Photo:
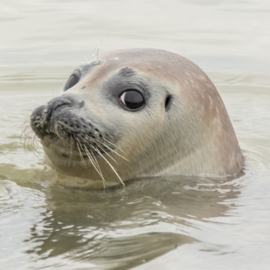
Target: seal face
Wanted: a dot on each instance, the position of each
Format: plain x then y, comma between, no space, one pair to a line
135,113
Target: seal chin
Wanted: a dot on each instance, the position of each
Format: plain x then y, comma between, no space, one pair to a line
56,148
70,161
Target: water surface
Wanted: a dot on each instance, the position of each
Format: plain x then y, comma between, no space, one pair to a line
156,223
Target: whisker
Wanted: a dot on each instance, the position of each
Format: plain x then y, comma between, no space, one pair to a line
97,51
92,161
33,145
87,60
94,158
35,142
114,145
110,150
113,151
28,138
80,153
98,145
109,165
70,153
23,138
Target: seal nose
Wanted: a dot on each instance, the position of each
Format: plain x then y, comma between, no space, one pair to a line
57,104
41,118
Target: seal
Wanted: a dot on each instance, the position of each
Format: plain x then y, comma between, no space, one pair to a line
134,113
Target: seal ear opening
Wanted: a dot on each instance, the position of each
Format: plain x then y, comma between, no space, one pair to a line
168,103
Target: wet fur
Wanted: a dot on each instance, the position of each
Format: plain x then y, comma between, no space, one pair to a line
193,137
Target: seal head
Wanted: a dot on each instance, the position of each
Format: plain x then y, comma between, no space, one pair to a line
134,113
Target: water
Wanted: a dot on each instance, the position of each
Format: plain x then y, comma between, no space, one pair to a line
160,223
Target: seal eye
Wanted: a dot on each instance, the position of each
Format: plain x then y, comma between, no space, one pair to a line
131,99
73,79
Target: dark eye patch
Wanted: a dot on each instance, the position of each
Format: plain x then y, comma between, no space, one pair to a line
73,79
168,103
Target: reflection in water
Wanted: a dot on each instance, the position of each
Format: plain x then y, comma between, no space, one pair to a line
124,227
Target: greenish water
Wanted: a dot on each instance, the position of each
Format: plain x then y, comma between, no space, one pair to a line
157,223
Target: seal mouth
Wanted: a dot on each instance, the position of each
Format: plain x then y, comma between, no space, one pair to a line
75,147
